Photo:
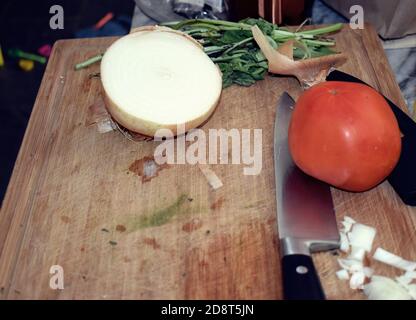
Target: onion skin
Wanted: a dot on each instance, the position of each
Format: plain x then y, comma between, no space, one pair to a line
344,134
147,127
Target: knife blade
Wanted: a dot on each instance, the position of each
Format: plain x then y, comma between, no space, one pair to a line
403,177
305,215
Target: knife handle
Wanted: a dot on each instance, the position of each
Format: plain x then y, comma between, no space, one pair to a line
300,279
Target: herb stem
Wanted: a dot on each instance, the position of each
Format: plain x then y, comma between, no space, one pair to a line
328,29
282,33
228,58
224,24
88,62
319,43
215,49
205,26
238,44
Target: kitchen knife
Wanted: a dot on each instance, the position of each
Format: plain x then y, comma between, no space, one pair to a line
403,177
305,215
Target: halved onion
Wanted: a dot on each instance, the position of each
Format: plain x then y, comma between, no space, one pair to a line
156,77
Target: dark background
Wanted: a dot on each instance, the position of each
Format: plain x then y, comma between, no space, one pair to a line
25,25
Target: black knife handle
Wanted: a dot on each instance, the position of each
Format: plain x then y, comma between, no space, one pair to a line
300,280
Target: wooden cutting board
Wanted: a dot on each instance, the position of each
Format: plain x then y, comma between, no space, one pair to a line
72,200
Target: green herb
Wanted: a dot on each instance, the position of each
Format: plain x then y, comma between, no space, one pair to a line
113,243
164,215
88,62
232,47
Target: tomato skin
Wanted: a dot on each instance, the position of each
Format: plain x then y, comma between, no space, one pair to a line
344,134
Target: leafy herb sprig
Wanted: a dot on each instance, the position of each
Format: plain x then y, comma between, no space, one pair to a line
232,47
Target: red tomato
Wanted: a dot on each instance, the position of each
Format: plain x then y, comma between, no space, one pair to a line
344,134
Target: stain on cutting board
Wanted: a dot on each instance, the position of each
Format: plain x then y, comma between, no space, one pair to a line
152,243
161,215
147,168
192,225
96,113
65,219
216,205
120,228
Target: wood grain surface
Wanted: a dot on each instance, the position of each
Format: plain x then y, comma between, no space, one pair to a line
75,199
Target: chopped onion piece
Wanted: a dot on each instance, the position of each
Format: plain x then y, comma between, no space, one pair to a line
410,274
406,278
357,280
368,272
213,180
350,265
349,220
404,281
411,288
347,224
356,267
346,227
342,274
391,259
357,253
362,236
382,288
344,243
